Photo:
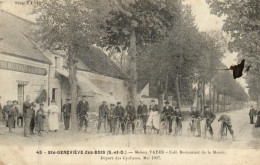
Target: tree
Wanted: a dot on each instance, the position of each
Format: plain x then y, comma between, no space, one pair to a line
242,22
134,24
70,26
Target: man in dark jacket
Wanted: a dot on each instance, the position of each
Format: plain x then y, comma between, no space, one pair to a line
210,117
178,120
102,115
142,112
82,111
252,114
66,110
168,114
32,125
131,115
27,114
120,111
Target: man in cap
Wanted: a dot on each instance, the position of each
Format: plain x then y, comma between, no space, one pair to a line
167,112
178,120
120,112
131,115
210,117
66,110
142,112
102,115
82,111
252,113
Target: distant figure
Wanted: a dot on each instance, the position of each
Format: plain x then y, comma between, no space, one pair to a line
1,110
82,112
53,111
257,123
252,113
66,110
39,119
110,117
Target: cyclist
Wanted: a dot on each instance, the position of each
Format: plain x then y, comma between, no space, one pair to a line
168,113
142,112
178,120
131,115
210,117
226,122
196,118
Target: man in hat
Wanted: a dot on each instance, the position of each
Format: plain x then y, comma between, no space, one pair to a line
120,112
210,117
40,119
66,110
142,112
167,112
154,117
82,112
252,113
102,115
131,115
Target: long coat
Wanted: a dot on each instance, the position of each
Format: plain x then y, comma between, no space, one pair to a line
66,109
53,121
82,108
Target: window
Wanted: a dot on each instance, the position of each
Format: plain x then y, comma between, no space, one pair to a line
57,62
53,96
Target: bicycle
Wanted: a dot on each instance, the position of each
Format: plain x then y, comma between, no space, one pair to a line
164,124
206,128
92,123
192,127
178,126
138,124
222,136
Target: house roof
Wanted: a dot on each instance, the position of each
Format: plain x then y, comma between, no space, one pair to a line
14,41
97,61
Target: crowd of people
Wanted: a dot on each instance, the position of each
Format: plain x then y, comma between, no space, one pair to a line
112,117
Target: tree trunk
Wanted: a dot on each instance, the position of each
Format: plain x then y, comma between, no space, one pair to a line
133,72
74,97
217,102
224,102
203,97
210,96
177,91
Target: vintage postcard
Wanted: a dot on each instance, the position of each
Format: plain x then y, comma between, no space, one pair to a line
129,82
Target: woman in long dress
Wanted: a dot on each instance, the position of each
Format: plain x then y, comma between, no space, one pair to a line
52,112
154,117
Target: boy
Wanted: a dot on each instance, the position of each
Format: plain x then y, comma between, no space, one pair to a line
40,119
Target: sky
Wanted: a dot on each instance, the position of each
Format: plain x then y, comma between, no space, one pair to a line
204,20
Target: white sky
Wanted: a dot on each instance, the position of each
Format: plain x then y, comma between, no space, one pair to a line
205,21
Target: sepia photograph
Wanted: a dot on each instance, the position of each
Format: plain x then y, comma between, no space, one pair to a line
142,82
